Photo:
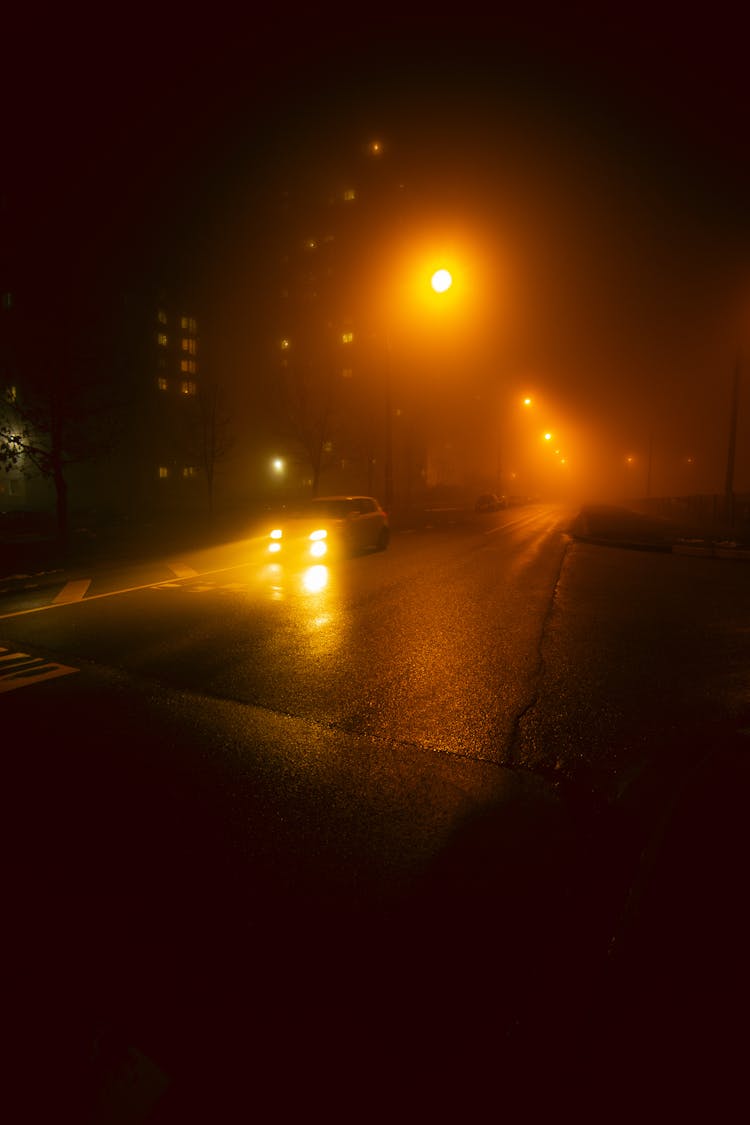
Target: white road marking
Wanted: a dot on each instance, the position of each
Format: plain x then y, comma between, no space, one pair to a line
72,591
108,594
18,670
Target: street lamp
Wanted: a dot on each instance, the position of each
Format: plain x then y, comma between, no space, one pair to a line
441,281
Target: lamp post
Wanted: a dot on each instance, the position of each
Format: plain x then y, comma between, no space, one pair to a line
729,478
388,473
440,282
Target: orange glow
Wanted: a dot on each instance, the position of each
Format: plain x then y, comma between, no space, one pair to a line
404,294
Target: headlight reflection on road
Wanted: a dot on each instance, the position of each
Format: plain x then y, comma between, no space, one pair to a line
273,572
315,578
282,582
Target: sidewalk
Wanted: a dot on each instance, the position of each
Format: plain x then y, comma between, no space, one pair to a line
621,527
37,560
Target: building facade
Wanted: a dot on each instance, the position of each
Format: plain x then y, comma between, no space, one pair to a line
109,392
365,398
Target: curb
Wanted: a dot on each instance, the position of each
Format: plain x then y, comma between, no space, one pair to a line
627,544
709,551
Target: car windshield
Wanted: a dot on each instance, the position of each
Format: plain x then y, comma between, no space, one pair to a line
329,509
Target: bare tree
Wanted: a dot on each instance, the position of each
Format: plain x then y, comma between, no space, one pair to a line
56,409
212,439
304,407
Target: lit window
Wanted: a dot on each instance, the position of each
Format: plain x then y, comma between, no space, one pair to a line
349,194
328,446
347,337
188,365
161,339
161,316
163,472
347,373
162,383
183,323
189,387
189,471
189,346
285,345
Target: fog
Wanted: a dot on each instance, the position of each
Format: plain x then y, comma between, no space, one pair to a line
590,184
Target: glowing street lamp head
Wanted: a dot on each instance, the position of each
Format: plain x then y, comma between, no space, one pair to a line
441,281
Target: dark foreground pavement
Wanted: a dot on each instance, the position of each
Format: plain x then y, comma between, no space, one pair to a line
537,963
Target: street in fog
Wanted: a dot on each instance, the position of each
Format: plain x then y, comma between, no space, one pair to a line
460,818
496,638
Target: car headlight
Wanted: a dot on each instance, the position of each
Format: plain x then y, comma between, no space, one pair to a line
318,546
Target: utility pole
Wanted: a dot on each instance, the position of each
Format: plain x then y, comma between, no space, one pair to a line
729,483
388,477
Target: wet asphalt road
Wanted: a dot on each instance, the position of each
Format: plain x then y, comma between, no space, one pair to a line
290,846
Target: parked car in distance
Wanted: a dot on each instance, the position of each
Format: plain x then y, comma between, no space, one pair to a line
489,502
329,526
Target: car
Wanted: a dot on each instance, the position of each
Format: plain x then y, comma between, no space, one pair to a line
330,526
489,502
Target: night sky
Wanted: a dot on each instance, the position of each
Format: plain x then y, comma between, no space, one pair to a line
599,159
